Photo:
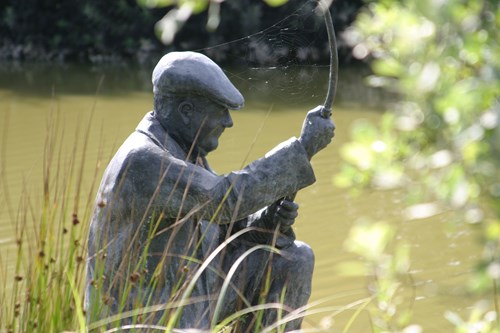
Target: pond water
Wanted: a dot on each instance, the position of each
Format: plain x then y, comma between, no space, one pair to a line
33,100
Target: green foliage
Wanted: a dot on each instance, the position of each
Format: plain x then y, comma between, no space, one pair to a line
441,141
481,319
386,264
372,151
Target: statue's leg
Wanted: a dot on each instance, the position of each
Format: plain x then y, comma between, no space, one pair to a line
291,278
263,277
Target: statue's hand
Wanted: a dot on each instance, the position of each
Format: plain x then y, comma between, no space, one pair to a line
274,224
285,214
317,132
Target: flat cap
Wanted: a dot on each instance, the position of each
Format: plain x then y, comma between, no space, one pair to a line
195,73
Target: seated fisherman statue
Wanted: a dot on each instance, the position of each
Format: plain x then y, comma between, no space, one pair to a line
172,243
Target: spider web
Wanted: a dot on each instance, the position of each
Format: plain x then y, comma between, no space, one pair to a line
286,61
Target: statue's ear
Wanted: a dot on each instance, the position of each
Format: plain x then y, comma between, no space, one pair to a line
186,110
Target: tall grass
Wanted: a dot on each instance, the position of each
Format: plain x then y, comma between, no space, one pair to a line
42,294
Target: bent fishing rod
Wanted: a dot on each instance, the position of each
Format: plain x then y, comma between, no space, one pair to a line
324,10
326,110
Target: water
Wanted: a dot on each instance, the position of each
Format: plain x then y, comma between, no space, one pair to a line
442,256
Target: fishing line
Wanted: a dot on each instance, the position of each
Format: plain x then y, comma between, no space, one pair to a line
287,61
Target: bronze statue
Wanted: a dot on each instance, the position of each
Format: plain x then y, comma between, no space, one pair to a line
168,232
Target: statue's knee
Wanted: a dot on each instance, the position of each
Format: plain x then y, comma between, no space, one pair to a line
303,256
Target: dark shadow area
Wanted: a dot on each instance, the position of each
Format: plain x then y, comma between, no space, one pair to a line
121,31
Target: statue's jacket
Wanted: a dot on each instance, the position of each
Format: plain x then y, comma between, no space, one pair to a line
160,215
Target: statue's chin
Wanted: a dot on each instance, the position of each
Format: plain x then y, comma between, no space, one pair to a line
208,147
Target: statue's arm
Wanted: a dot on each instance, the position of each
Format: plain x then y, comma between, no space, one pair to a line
184,188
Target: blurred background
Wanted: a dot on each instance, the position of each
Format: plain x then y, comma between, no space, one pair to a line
405,216
127,30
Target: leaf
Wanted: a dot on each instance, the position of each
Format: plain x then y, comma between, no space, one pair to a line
358,154
197,6
275,3
342,180
453,318
493,230
369,240
387,67
156,3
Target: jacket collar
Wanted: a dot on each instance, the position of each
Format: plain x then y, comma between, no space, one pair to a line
151,127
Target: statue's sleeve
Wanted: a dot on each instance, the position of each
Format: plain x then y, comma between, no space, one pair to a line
186,189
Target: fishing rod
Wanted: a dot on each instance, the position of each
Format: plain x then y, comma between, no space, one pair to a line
326,109
324,10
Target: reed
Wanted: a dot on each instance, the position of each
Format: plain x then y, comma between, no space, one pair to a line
43,291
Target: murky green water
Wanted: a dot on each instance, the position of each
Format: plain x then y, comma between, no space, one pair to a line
442,257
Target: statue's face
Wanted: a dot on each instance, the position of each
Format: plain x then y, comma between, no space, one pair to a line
208,121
